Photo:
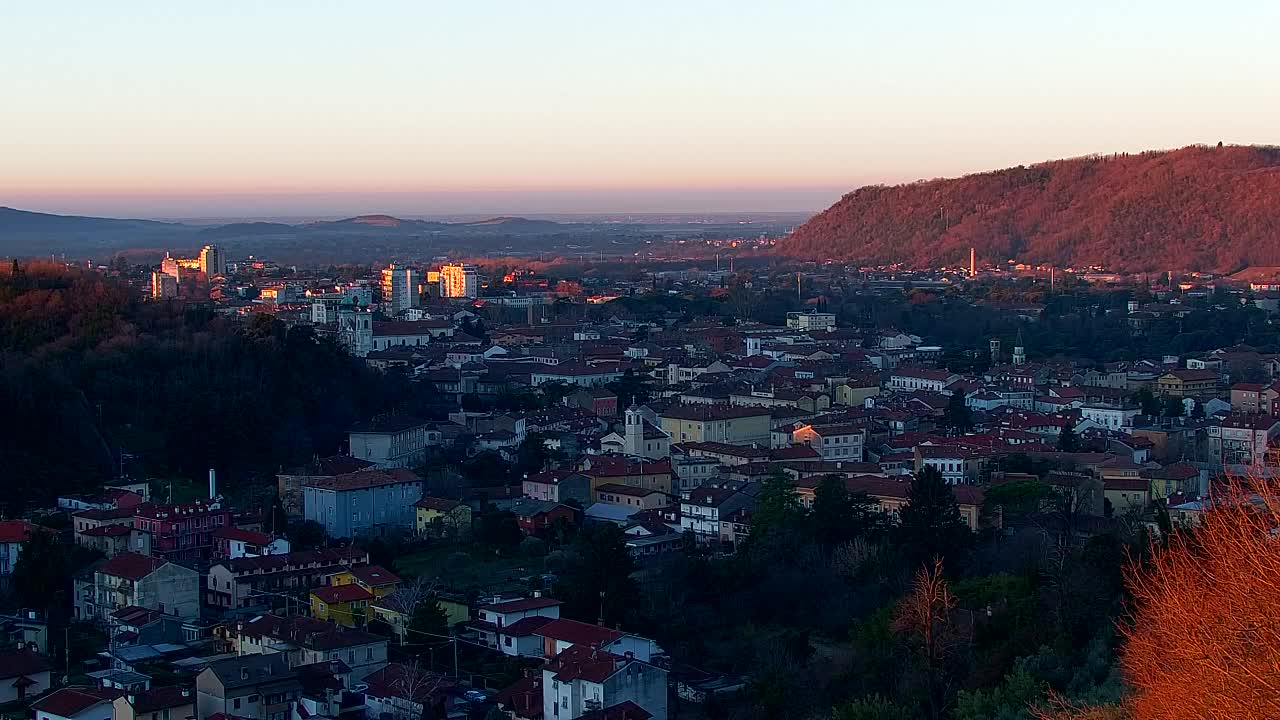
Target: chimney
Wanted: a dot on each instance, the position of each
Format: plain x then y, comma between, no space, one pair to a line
186,692
133,700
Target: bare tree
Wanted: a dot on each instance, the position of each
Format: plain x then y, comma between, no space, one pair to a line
928,613
412,687
1205,636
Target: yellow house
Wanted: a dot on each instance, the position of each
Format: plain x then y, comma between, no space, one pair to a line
731,424
377,580
443,518
346,605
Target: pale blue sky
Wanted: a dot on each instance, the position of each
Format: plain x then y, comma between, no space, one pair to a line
161,108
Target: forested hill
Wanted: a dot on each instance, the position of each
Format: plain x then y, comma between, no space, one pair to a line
1198,208
88,372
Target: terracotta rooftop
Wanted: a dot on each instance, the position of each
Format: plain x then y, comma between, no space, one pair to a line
363,479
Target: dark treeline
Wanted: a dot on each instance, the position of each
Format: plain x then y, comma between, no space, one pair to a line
88,371
827,614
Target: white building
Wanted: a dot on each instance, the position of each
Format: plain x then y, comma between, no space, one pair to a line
459,280
1111,418
814,321
834,442
390,441
907,379
584,680
401,287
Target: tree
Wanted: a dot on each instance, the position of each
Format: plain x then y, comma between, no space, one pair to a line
500,531
1068,441
871,707
930,524
957,416
1205,637
832,516
926,614
1147,400
277,520
429,622
1173,406
307,535
777,506
598,585
41,576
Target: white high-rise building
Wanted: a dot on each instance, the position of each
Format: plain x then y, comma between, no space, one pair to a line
212,261
401,287
458,280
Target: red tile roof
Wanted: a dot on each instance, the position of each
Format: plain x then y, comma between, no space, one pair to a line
130,566
69,702
580,633
16,531
160,698
107,531
582,662
252,537
374,575
525,627
435,503
363,479
335,594
523,698
16,662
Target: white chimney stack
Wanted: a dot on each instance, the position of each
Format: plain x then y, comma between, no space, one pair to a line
213,484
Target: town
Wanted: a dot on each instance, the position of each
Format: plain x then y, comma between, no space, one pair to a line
508,546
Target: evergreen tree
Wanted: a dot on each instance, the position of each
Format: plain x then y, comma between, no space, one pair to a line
277,520
1173,406
599,580
428,621
930,523
41,574
957,416
1147,400
777,505
832,516
1068,441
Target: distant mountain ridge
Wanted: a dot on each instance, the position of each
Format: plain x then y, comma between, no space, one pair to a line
1198,208
23,232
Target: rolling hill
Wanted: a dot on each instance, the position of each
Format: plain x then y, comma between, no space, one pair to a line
1197,208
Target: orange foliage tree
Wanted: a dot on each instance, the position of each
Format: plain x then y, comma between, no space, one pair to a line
1205,635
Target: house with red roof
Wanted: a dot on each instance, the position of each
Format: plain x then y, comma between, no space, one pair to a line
523,700
364,502
23,674
510,626
13,533
133,580
583,681
76,704
563,633
231,543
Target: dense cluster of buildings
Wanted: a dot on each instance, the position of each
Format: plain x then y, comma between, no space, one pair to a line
667,427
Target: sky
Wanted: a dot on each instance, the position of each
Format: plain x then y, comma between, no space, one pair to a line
162,109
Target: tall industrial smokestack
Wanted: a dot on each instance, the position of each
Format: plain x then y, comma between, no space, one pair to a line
973,265
213,484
